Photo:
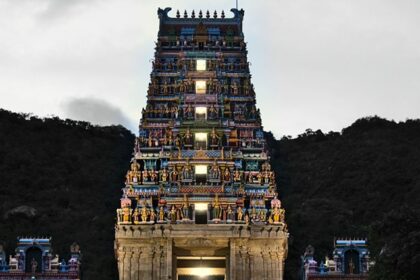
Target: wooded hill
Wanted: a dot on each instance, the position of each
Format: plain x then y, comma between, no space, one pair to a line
63,178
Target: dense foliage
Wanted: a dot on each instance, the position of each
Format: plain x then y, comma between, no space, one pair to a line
62,178
349,184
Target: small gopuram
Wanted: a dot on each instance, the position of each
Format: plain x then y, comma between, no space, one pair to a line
200,200
34,259
350,260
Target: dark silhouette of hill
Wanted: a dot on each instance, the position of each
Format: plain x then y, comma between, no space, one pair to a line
62,178
349,184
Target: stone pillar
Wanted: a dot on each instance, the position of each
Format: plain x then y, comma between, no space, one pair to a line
127,264
272,274
266,264
252,268
135,257
244,267
156,261
169,259
120,259
231,264
146,263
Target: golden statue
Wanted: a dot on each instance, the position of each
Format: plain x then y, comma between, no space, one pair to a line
127,214
161,214
240,213
136,216
237,176
144,214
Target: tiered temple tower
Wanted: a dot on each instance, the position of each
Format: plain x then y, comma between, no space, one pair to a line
200,196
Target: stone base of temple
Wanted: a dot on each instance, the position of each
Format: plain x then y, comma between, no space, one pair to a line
185,251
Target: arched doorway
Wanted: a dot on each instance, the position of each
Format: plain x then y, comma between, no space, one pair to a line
351,262
33,260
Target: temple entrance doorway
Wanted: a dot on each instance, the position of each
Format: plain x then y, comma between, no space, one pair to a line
351,262
33,260
198,268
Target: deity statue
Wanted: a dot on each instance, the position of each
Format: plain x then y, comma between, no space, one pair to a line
127,214
135,166
214,138
262,215
235,88
152,175
226,175
161,214
34,265
216,209
278,215
144,214
150,140
188,112
173,214
213,112
164,175
185,209
266,166
174,175
215,171
240,213
165,88
266,177
188,137
186,172
254,214
259,177
145,175
351,266
136,216
230,214
182,87
152,215
237,176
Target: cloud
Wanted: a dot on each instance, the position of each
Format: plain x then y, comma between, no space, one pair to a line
96,111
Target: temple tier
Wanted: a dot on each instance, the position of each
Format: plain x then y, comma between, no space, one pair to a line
200,188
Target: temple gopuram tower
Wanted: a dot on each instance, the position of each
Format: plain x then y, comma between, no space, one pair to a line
200,200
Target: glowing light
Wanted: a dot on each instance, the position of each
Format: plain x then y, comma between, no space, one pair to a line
200,87
200,169
200,206
200,110
201,65
201,136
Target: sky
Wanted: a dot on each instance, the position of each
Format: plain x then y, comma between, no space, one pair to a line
318,64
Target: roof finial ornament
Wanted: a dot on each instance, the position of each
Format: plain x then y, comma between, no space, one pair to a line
177,14
215,14
200,14
207,14
193,14
185,14
223,14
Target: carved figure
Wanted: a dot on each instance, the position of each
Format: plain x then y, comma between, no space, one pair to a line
161,214
34,265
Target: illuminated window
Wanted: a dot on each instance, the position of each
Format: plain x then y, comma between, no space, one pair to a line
201,206
201,169
201,140
200,87
200,174
201,65
200,113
